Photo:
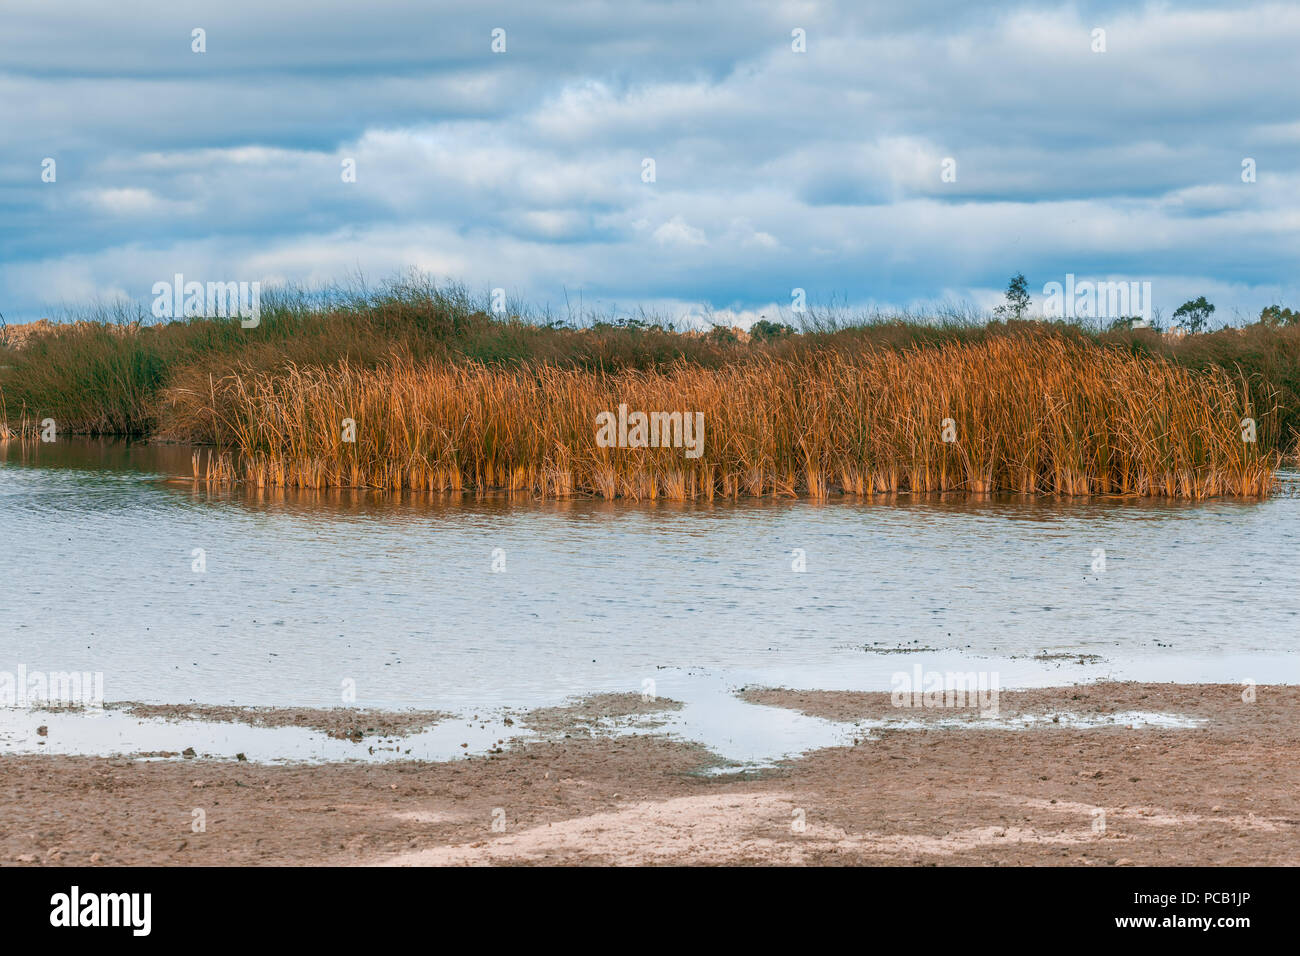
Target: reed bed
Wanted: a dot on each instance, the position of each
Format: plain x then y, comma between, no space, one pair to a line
1029,415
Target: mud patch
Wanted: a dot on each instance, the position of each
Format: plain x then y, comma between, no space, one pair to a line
601,715
341,723
1224,703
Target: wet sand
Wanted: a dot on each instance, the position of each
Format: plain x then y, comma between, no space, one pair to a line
1224,793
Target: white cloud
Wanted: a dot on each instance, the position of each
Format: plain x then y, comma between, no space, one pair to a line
677,232
132,202
774,169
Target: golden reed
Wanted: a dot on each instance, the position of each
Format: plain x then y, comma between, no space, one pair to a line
1029,415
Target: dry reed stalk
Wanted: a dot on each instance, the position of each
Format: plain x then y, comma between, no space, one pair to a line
1031,415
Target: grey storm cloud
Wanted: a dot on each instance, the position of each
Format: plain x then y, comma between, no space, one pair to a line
773,168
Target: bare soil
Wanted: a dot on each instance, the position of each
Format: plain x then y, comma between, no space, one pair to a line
1225,793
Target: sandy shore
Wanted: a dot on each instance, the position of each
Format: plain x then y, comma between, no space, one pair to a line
1225,792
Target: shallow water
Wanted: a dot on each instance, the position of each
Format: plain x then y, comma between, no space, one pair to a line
396,594
744,736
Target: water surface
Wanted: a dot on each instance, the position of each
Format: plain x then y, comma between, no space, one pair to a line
396,594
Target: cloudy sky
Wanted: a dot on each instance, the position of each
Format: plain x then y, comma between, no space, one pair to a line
773,169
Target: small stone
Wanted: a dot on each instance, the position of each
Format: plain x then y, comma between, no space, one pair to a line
42,731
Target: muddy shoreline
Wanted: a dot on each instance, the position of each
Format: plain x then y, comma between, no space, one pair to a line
1226,792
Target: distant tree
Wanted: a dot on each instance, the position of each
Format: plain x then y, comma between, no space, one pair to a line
1017,299
628,323
1275,316
765,330
722,335
1195,314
